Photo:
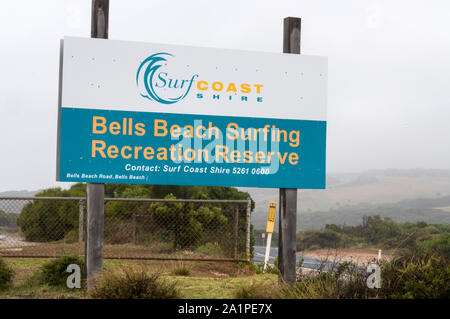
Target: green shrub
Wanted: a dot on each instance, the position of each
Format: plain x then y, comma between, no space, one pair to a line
133,284
259,269
374,230
416,276
188,224
313,239
407,241
345,281
6,275
45,221
184,225
181,270
54,273
71,236
438,245
432,229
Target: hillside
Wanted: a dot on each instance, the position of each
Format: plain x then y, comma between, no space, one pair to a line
350,196
403,195
10,207
22,193
416,210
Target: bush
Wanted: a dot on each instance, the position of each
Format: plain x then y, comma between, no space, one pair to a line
181,270
374,230
54,273
133,284
313,239
407,241
344,281
6,275
377,230
259,269
187,224
44,221
71,237
416,276
438,245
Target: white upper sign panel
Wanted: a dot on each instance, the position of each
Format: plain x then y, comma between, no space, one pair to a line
133,76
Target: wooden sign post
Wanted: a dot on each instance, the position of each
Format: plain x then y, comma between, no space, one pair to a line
288,196
96,192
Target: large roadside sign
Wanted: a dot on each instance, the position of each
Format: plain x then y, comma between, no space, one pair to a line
144,113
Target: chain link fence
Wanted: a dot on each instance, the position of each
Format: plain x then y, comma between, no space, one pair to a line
153,229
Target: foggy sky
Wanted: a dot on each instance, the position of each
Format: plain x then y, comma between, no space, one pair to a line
389,71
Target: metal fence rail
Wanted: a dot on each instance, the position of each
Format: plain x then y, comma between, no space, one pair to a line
150,229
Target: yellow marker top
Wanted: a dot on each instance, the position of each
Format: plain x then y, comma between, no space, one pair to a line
271,217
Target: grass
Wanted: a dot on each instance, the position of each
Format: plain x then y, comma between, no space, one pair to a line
181,270
135,284
27,281
207,279
263,288
218,288
402,278
6,275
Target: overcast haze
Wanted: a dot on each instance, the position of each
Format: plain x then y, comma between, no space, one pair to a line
389,71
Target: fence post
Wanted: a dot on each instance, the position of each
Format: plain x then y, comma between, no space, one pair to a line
133,223
236,231
247,242
94,232
81,222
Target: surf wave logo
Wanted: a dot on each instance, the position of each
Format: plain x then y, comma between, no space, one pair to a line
157,85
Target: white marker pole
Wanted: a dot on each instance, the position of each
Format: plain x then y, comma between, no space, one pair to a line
268,244
379,255
269,231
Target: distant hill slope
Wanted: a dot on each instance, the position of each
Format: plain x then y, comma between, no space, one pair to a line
404,195
23,193
15,206
427,210
347,194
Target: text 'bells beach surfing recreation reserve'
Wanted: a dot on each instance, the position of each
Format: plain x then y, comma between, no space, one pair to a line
144,113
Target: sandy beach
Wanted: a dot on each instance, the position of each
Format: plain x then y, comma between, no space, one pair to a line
359,256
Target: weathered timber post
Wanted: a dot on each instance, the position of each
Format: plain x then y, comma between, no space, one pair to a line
288,196
94,232
100,19
96,192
